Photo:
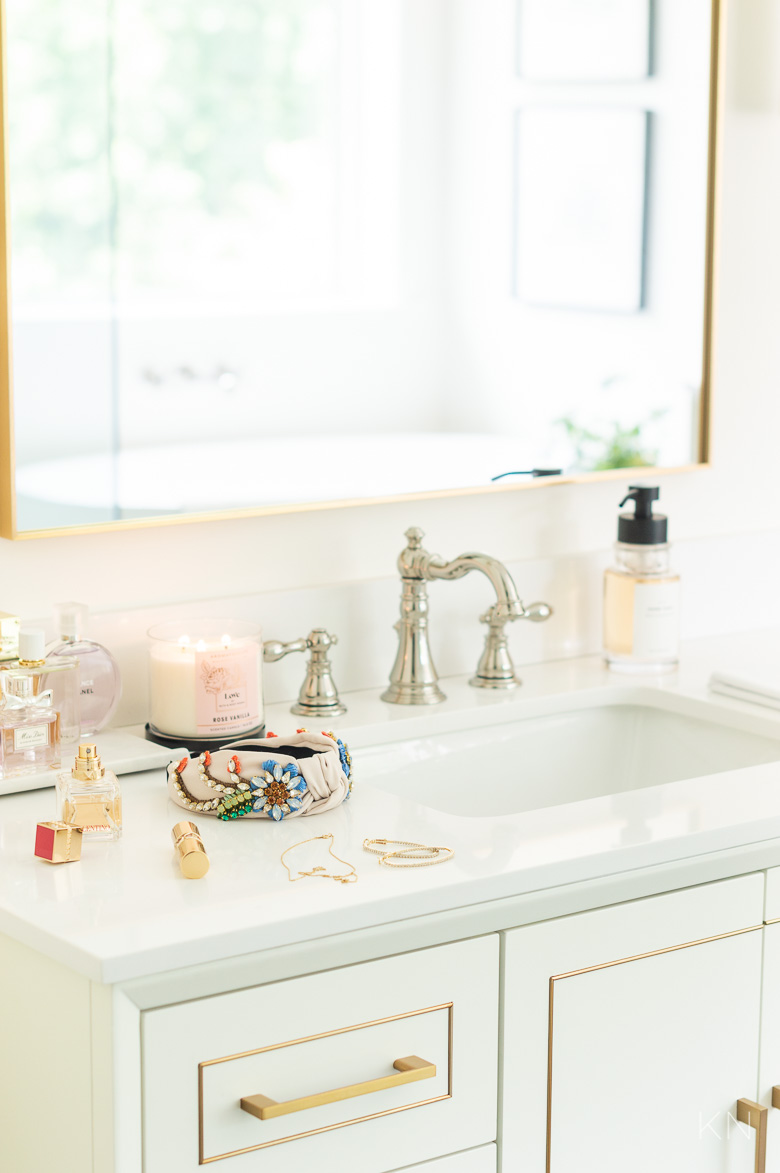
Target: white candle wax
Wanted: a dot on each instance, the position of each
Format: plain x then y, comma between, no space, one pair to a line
201,689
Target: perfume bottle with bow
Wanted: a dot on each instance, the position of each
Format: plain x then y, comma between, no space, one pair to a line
29,727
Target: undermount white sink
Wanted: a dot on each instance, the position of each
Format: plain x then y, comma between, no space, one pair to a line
566,756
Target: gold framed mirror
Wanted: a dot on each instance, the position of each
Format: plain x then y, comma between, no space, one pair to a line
301,254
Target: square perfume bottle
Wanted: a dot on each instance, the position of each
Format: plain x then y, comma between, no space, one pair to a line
29,727
89,797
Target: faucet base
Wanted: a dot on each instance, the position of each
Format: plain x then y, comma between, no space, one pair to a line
303,710
495,682
401,693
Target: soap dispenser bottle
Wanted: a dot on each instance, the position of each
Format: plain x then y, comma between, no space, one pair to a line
641,592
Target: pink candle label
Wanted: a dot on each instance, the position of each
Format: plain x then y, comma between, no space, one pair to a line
227,689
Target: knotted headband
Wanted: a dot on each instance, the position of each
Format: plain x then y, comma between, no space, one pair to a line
273,778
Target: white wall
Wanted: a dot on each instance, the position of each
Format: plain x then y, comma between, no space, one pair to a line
556,538
535,363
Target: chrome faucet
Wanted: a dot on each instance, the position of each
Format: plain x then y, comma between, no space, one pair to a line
414,680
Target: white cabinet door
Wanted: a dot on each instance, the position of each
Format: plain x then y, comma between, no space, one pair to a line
631,1032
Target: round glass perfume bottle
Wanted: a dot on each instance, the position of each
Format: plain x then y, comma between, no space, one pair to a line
101,684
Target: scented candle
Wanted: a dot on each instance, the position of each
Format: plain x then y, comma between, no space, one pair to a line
205,679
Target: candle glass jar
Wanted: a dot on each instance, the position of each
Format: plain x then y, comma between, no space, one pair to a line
205,682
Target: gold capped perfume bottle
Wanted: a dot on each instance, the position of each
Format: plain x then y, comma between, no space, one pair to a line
29,728
60,674
88,796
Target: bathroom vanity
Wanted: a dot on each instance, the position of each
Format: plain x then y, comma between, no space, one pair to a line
590,985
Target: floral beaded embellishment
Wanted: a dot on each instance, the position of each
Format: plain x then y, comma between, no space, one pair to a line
345,757
279,790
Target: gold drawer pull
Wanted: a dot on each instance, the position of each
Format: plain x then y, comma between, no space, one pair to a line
409,1070
756,1116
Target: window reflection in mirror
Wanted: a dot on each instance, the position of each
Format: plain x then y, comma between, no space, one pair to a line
279,251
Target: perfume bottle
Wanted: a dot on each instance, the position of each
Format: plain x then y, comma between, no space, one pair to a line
88,796
60,674
9,637
29,727
101,686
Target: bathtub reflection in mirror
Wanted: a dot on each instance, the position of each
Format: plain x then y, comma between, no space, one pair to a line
275,252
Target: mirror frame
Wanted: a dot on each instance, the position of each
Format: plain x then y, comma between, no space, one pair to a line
8,527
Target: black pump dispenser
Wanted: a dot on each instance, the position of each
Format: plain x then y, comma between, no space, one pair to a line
642,527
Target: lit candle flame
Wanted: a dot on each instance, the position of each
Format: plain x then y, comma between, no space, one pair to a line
200,646
225,641
184,641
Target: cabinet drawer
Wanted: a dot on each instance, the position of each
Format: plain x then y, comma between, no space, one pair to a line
481,1160
324,1065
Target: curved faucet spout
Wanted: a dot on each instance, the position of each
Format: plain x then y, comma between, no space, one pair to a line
413,679
508,605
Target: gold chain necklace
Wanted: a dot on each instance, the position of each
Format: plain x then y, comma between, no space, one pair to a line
320,873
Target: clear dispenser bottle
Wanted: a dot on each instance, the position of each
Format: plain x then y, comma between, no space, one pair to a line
101,685
61,674
29,727
641,592
88,796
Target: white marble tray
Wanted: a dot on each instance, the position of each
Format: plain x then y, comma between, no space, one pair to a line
124,751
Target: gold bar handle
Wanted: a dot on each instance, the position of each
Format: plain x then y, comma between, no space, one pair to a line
756,1116
409,1069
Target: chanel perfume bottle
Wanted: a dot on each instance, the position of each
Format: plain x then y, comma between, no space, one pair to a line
88,796
59,673
101,686
29,727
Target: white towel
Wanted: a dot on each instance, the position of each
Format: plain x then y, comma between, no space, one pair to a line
756,688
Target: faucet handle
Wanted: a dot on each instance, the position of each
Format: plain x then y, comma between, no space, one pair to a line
536,612
495,668
414,536
318,696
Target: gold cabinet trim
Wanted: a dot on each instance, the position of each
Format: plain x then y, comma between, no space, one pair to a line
204,1160
558,977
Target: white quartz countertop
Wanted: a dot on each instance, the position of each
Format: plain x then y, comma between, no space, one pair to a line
125,911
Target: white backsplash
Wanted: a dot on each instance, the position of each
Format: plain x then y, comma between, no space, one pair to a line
729,584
